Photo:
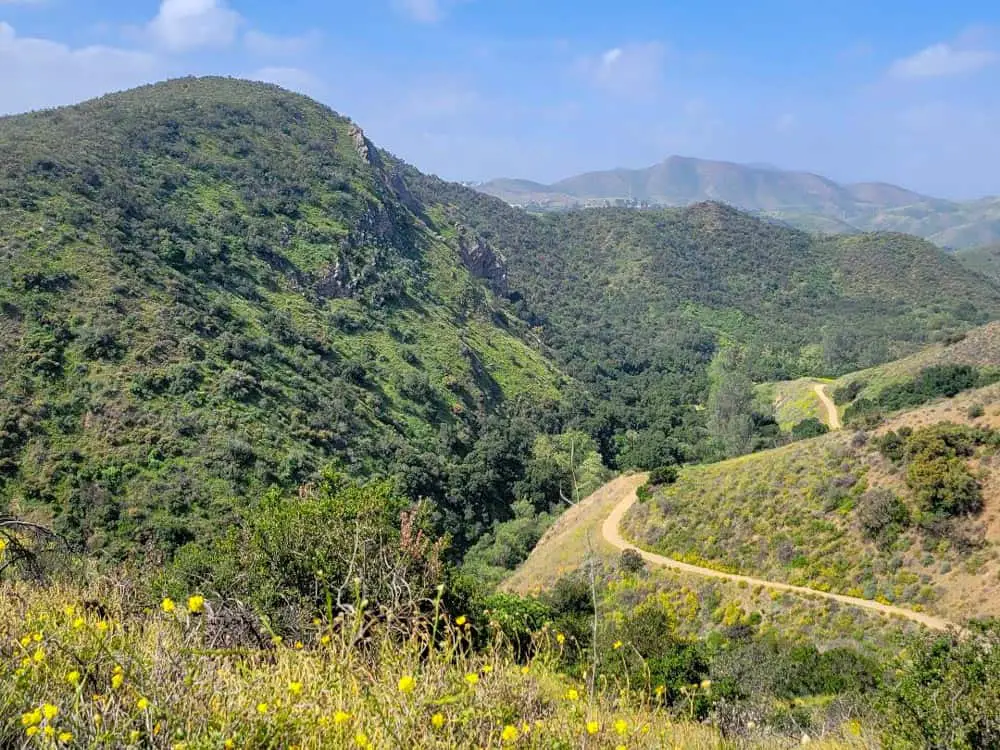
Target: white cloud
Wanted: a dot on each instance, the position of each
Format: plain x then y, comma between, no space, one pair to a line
630,70
941,60
40,73
270,45
188,24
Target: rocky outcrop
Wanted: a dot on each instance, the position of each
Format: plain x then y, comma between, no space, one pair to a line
365,148
483,261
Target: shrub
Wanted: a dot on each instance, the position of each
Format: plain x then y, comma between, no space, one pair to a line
631,561
882,513
975,411
663,475
845,394
809,428
947,694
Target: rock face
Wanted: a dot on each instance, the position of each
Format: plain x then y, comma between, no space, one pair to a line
483,261
365,148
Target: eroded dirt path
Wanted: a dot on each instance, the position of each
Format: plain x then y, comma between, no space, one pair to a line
612,535
832,415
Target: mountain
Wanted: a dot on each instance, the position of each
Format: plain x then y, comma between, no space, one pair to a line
637,304
802,199
211,287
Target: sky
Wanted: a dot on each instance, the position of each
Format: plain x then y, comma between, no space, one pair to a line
908,92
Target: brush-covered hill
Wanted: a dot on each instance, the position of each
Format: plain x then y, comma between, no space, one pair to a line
983,260
210,287
637,304
906,513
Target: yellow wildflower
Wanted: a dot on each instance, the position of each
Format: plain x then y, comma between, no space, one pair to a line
295,688
3,545
621,726
510,733
706,685
324,640
461,620
593,727
572,694
406,684
620,747
31,731
437,720
168,605
78,623
340,718
229,744
618,645
134,736
298,645
560,638
361,740
102,626
25,641
487,668
65,737
117,680
472,678
49,711
142,704
69,610
525,670
31,718
39,656
262,708
73,678
49,731
196,604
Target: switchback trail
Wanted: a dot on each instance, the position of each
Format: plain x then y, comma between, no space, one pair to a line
833,416
611,533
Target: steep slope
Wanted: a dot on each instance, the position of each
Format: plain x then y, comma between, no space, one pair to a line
637,304
802,199
212,286
845,513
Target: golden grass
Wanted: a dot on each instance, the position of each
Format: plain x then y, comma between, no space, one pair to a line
132,676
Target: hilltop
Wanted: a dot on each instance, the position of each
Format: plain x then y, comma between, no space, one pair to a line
802,199
211,287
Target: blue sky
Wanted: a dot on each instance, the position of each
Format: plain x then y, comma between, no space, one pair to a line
472,89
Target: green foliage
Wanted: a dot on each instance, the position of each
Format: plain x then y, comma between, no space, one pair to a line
947,694
809,428
292,558
932,382
663,475
882,515
846,393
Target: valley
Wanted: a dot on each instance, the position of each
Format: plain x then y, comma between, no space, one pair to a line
300,444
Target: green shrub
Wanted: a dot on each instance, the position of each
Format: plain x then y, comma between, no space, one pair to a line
664,475
809,428
882,514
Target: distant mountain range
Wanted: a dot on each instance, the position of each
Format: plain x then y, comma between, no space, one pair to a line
801,199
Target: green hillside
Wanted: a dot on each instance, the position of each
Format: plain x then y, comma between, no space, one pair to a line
984,260
210,287
213,287
637,304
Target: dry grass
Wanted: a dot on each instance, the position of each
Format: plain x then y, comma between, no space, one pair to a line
132,676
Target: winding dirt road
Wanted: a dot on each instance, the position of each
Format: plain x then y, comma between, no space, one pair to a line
611,533
832,415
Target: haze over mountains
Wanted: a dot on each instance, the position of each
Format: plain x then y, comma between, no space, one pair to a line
801,199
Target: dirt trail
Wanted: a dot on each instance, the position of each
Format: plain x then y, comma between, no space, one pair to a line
613,536
832,415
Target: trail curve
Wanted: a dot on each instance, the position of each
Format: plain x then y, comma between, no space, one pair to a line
832,414
612,535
